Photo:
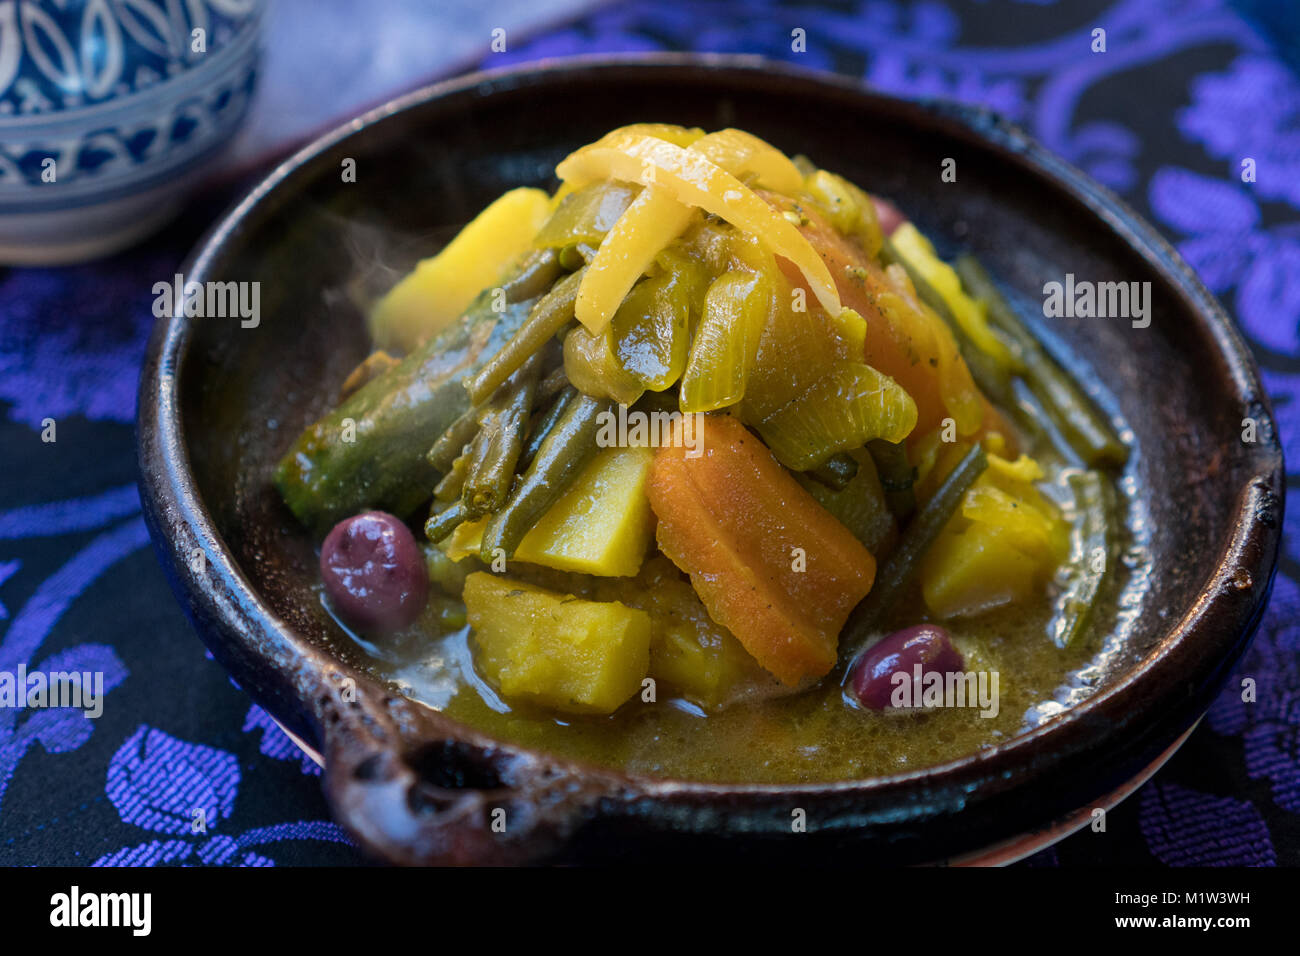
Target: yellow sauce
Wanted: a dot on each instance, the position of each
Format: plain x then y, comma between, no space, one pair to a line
809,737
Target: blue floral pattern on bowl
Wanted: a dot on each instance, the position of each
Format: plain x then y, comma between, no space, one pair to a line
103,100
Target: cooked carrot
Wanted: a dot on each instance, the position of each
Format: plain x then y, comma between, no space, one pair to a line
769,562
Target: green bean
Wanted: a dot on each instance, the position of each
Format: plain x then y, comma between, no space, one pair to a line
444,522
451,443
835,472
1087,431
537,274
979,285
1075,605
897,477
560,459
449,488
544,425
495,451
461,433
904,561
474,452
553,384
552,312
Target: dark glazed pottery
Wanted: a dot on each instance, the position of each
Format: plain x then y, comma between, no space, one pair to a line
220,403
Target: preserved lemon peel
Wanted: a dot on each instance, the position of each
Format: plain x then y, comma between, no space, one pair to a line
693,179
848,208
744,154
971,314
653,220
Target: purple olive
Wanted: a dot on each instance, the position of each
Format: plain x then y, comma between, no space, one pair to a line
871,676
374,572
888,215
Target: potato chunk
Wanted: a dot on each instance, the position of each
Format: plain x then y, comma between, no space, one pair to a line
975,570
602,525
440,288
554,649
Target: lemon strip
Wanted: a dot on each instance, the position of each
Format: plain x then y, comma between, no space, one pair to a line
690,177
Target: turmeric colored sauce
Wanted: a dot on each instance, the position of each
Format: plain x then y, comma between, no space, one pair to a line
812,736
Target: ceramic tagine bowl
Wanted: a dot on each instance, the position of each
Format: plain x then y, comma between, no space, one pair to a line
108,108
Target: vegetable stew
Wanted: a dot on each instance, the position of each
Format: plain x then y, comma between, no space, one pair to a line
707,464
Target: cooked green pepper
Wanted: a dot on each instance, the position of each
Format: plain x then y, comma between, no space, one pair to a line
651,331
1074,607
589,363
585,215
574,257
369,451
561,458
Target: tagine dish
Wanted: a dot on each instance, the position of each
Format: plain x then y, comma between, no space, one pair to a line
706,464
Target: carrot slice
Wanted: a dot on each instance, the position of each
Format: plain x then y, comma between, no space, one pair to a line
770,563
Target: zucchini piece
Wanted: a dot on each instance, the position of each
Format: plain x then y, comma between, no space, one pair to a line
369,452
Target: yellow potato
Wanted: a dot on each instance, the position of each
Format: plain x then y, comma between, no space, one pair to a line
440,288
975,570
555,649
602,525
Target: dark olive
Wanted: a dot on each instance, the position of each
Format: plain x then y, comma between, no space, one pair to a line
871,676
374,572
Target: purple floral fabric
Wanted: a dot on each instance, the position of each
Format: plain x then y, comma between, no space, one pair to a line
182,769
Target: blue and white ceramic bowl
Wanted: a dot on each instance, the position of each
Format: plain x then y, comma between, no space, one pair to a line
108,108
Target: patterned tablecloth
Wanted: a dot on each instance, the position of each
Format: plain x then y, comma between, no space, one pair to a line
1186,90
